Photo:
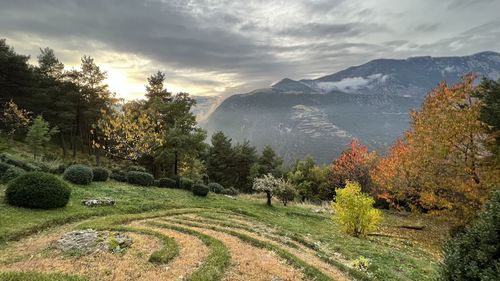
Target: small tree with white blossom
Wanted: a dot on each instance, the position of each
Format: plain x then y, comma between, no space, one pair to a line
267,184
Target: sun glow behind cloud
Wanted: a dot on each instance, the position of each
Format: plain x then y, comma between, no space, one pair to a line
208,47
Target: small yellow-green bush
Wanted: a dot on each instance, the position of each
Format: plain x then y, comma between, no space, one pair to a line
354,211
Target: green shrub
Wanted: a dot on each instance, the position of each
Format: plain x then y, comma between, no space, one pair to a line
230,191
11,173
11,160
135,168
38,166
286,192
59,169
474,254
187,184
168,183
177,180
118,175
79,174
19,162
205,178
215,188
37,190
140,178
3,168
48,166
100,174
200,190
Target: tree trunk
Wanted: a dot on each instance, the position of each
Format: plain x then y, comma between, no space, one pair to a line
63,145
175,163
98,157
73,143
268,198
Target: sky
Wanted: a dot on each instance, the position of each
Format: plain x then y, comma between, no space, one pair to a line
224,47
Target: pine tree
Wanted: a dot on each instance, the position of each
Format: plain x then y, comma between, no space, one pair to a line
475,253
39,135
489,94
220,157
269,163
245,156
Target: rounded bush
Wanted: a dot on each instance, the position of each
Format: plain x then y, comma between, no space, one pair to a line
3,168
135,168
59,169
205,178
79,174
100,174
177,180
140,178
11,173
118,175
37,190
215,187
187,184
230,191
200,190
168,183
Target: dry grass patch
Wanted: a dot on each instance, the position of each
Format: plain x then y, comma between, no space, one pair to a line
192,253
130,265
252,263
306,254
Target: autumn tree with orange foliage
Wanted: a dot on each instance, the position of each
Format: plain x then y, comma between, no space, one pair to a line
353,164
438,165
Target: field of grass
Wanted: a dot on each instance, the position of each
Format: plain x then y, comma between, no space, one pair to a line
302,237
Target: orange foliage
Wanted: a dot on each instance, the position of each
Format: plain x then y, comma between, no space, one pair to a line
353,165
439,163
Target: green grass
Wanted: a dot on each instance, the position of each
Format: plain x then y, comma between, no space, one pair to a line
391,258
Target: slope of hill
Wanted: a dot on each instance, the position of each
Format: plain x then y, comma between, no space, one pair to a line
320,116
208,238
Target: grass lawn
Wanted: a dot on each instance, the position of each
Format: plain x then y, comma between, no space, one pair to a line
395,253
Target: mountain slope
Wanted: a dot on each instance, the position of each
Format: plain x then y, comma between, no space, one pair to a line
319,117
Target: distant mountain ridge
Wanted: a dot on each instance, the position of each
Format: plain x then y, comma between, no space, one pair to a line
320,116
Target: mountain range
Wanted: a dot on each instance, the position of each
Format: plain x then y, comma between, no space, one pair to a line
319,117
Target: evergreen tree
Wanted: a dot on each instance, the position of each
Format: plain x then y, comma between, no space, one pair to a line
220,157
49,65
156,89
39,135
269,163
475,253
182,139
489,94
245,156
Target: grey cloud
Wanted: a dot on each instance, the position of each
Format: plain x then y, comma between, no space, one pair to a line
229,37
427,27
321,30
457,4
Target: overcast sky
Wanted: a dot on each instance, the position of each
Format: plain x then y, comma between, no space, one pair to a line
225,47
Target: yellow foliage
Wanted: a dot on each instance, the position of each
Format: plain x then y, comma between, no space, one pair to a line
129,133
354,211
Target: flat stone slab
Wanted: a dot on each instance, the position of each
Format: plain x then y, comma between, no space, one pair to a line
95,202
89,241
